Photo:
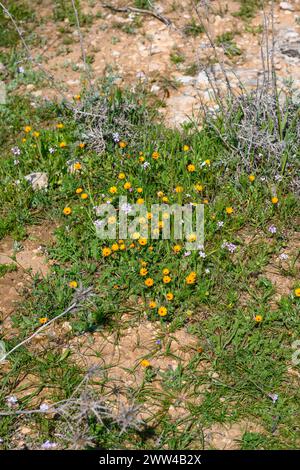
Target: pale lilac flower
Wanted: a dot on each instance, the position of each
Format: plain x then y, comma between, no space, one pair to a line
21,69
16,151
44,407
187,253
202,254
220,223
126,208
12,400
16,161
278,177
207,271
274,397
98,223
283,256
145,165
231,247
272,229
49,445
51,150
116,137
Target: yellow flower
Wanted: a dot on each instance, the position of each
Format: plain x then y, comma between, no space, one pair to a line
142,159
166,271
84,196
162,311
139,190
191,168
112,190
186,148
43,320
143,272
143,241
122,144
207,162
122,247
229,210
161,224
79,190
132,245
127,185
77,166
297,292
67,210
258,318
170,296
160,193
179,189
114,247
275,200
27,129
81,145
112,219
152,304
140,200
192,237
121,176
198,187
149,215
251,178
73,284
145,363
135,235
165,199
106,251
144,263
62,145
176,248
60,125
77,97
155,155
149,282
166,279
36,134
205,201
24,140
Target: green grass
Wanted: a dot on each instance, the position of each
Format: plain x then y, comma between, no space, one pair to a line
23,14
248,9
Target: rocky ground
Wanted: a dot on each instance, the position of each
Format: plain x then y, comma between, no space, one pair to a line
169,60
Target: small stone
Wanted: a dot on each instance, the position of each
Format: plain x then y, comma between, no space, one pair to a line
286,6
38,180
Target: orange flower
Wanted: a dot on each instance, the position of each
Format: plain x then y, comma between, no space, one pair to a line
73,284
229,210
274,200
297,292
143,272
84,196
176,248
77,97
106,251
81,145
191,278
155,155
62,145
143,241
170,296
79,190
43,320
27,129
152,304
145,363
162,311
191,168
258,318
67,210
77,166
149,282
166,279
122,144
251,178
